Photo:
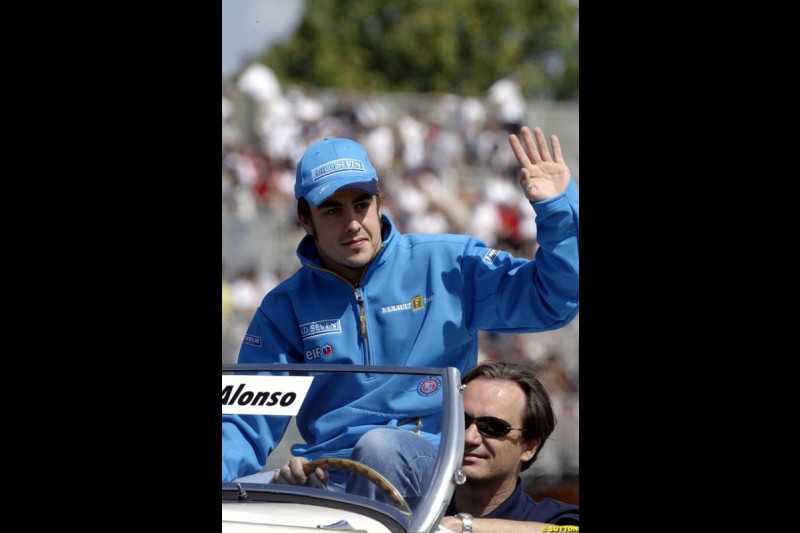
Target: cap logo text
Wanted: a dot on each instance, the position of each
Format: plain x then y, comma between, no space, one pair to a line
336,166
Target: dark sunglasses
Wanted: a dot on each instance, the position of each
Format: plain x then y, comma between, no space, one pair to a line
489,425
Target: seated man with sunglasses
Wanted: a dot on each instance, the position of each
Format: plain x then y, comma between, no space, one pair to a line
508,417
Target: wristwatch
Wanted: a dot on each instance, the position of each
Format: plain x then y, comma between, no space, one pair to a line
466,522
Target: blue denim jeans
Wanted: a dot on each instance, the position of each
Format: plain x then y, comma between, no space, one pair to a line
406,459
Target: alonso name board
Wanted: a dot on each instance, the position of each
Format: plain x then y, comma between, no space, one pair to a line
264,395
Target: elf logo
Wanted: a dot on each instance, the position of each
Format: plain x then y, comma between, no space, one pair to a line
277,395
319,351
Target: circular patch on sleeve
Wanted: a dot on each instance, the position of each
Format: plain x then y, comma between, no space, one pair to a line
429,385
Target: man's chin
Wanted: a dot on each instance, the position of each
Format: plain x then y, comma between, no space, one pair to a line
471,470
356,261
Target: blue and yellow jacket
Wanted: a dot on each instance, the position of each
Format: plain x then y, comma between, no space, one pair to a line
420,302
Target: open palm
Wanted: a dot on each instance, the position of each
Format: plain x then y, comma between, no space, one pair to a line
542,175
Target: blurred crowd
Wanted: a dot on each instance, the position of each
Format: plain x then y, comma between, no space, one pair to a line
445,167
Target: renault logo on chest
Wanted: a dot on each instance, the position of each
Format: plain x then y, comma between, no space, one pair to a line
416,303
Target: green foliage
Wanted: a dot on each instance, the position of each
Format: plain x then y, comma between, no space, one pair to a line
457,46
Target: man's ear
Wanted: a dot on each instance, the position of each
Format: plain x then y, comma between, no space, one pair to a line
530,450
306,223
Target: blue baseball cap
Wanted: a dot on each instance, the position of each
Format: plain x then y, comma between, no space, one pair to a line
330,165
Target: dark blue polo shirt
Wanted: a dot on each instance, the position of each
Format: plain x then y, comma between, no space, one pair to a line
520,506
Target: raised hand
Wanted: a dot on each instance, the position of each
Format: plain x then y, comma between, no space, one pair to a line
543,176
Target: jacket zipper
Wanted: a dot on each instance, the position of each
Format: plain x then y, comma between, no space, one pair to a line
363,319
362,309
359,298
